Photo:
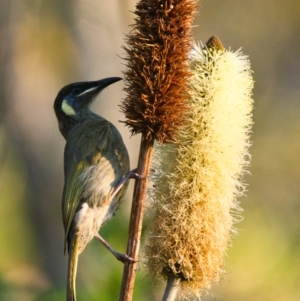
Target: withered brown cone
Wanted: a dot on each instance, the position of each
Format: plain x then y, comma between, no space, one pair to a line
157,70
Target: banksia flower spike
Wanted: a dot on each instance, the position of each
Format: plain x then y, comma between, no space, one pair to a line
198,180
157,69
156,77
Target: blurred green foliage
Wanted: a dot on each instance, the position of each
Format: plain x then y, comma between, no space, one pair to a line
48,45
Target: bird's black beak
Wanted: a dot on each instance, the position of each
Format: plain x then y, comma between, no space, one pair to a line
103,83
93,88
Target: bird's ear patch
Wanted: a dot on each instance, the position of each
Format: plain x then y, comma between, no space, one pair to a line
67,109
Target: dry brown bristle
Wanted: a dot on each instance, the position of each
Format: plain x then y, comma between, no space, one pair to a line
157,70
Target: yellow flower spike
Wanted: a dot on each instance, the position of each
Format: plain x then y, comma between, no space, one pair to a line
197,181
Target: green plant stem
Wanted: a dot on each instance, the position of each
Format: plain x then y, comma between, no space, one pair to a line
136,219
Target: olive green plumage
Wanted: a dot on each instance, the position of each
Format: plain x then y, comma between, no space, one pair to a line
95,161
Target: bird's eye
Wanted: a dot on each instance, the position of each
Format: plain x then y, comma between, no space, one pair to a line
77,90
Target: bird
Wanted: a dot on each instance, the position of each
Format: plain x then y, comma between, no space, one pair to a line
96,170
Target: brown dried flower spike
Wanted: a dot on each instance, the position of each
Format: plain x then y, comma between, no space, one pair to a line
157,69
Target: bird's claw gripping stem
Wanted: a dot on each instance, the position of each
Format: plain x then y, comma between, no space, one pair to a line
119,256
132,174
123,257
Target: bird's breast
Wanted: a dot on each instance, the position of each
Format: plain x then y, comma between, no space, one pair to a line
99,182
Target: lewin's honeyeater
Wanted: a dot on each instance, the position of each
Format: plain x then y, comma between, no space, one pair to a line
96,165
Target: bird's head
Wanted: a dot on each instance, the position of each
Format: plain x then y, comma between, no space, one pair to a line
72,103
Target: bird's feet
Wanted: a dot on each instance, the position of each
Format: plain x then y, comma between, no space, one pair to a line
121,257
132,174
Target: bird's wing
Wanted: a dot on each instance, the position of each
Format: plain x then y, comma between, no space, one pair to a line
84,152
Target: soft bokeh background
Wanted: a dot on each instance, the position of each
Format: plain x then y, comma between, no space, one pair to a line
47,44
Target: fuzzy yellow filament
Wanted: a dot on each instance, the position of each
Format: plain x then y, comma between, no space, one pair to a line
198,180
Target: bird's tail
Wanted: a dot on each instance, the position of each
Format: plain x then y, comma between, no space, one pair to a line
72,268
